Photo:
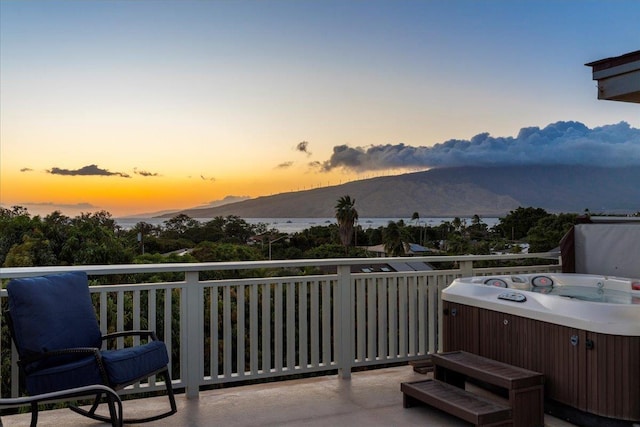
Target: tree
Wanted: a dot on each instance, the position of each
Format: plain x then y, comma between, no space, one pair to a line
55,227
333,250
477,230
15,224
91,239
457,245
415,217
237,230
32,252
392,238
516,225
216,252
548,231
459,224
346,215
179,225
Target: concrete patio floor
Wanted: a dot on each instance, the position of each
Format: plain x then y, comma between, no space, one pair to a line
370,398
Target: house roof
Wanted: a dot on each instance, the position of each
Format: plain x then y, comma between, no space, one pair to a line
618,77
409,249
392,266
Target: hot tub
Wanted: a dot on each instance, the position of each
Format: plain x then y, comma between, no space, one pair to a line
581,331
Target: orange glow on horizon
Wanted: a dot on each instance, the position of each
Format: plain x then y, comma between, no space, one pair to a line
43,193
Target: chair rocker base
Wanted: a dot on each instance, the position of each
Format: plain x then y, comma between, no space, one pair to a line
105,419
91,413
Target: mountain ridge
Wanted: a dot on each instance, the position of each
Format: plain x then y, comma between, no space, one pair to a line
456,191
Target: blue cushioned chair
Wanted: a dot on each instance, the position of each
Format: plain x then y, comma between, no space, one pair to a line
54,326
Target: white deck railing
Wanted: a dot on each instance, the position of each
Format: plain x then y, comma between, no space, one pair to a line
229,330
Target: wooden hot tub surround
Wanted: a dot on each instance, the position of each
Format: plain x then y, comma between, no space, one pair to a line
593,372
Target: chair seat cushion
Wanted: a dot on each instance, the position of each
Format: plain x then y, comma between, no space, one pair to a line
128,365
78,373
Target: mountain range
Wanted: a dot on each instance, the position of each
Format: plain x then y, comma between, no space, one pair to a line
458,191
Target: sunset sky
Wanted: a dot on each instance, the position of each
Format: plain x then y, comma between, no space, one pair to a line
142,106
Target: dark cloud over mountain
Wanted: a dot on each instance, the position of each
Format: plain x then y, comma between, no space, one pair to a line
561,143
87,171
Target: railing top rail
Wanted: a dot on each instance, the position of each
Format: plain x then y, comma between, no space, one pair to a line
101,270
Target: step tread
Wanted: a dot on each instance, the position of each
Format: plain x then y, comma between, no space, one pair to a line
488,370
456,401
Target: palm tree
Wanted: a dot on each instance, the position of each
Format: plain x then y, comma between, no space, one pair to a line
457,223
415,217
392,237
346,215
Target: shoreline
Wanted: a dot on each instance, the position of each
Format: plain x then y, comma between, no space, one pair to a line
294,225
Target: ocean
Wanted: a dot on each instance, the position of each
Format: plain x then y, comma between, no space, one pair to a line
295,225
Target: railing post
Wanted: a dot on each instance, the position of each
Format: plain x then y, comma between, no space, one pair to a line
345,330
466,268
192,360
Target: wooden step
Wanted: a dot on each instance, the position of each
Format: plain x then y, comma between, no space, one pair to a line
524,388
422,366
487,370
455,401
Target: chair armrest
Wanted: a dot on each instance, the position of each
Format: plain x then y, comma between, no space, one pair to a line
55,395
139,333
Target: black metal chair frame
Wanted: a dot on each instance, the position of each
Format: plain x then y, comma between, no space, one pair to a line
113,400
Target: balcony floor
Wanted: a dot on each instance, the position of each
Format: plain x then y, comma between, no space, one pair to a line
370,398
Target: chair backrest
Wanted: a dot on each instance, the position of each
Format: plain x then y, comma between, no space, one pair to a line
52,313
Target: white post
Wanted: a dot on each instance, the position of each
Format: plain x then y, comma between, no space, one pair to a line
466,268
345,331
194,365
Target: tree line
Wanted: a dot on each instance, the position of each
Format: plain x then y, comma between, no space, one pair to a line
95,238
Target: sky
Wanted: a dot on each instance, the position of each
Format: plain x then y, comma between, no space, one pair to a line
143,106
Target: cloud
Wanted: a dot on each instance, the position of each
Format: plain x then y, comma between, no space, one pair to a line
284,165
303,147
91,170
144,173
561,143
26,170
230,199
226,200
